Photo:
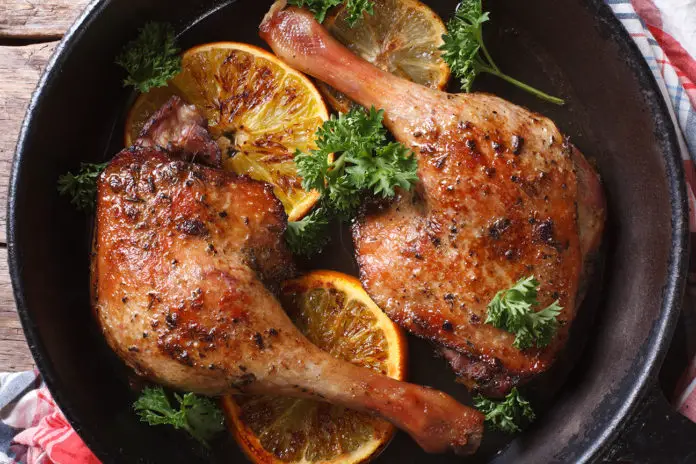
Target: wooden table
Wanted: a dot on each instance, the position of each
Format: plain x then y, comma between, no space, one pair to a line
29,31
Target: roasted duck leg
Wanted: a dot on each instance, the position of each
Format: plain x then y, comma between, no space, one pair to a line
503,195
182,256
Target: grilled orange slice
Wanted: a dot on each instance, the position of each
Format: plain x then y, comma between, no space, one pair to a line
402,37
335,313
259,110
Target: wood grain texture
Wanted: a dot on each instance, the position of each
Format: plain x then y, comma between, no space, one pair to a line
20,69
38,19
14,352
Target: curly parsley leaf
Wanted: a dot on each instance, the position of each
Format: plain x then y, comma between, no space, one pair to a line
363,160
308,234
198,415
505,415
356,9
152,58
364,164
202,415
466,54
513,310
82,187
319,8
394,166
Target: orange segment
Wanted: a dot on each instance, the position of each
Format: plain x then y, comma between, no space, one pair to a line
401,37
259,110
335,313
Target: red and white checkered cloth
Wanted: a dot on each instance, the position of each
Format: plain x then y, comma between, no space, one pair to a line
34,431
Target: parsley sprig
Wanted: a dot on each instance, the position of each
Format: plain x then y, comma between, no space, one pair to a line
198,415
309,234
513,310
365,163
467,55
505,415
82,187
354,8
152,58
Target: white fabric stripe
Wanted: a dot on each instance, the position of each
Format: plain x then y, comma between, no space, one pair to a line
680,23
619,8
665,75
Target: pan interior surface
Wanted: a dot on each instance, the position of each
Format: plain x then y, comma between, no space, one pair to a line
614,114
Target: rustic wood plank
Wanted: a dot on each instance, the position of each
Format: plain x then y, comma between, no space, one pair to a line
38,19
14,352
20,69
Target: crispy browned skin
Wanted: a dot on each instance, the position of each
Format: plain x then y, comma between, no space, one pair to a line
182,253
503,195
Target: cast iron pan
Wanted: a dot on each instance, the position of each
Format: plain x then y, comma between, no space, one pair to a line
573,48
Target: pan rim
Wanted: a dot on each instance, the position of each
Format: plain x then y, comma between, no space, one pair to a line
662,330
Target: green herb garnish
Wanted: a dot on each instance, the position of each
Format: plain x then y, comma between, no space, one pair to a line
466,54
198,415
82,187
152,58
505,415
309,234
513,310
354,8
365,164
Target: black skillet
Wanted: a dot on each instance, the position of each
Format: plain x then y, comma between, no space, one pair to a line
615,114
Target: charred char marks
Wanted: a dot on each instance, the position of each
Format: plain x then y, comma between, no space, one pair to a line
258,340
516,144
543,231
496,230
131,213
152,300
439,162
115,183
434,229
171,346
172,319
193,227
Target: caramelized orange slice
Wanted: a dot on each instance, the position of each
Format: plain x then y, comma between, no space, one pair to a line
335,313
259,110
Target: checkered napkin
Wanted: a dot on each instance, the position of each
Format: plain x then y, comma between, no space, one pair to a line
34,431
32,428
